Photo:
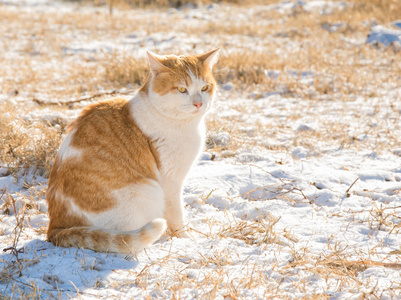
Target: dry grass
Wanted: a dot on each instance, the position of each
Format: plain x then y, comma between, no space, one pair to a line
331,77
217,275
380,10
124,70
14,268
337,68
27,146
172,3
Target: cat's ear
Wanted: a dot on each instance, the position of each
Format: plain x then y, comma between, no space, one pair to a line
209,58
156,67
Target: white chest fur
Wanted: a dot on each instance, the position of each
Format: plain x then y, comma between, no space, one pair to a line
178,149
178,142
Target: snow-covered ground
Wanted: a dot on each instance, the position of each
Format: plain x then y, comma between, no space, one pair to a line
292,198
272,215
382,35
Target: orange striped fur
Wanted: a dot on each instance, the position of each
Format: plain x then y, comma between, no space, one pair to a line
116,182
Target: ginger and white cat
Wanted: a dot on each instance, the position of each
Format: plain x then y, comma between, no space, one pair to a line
119,172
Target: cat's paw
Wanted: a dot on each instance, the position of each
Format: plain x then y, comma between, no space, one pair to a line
183,234
178,232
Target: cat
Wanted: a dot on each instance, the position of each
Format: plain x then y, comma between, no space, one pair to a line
117,179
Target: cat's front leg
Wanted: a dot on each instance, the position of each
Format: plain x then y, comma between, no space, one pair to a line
174,212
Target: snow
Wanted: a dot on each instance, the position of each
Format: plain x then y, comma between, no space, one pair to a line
247,192
321,6
386,35
273,212
220,139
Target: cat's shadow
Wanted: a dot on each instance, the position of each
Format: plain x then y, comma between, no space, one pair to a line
66,270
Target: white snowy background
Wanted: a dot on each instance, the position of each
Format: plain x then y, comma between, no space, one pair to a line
281,220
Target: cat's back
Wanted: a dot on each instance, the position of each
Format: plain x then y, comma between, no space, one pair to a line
103,120
103,163
103,151
107,130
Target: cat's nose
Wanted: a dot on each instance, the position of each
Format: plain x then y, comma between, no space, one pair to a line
198,104
197,100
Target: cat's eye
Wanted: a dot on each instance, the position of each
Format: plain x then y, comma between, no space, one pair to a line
181,89
204,88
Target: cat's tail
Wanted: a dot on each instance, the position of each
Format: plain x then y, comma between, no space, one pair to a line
106,240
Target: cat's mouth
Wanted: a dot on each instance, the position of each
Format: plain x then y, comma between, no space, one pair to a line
186,111
198,111
193,111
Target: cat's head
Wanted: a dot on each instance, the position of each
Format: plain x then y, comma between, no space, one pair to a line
181,87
